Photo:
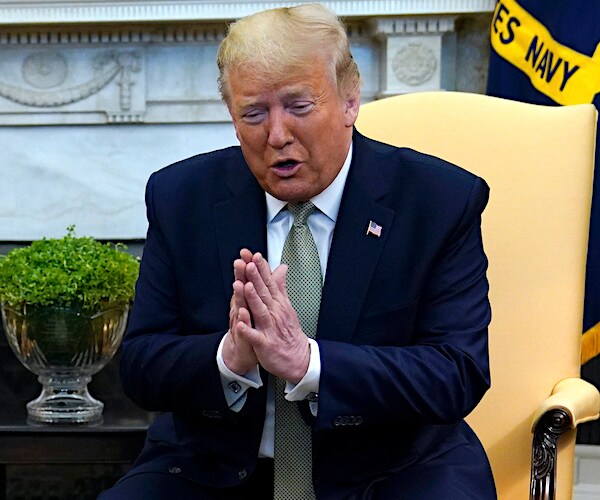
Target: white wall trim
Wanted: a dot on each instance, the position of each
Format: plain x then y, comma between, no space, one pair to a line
586,479
112,34
99,11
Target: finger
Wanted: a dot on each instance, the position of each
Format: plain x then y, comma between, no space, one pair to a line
238,295
258,309
279,277
265,273
246,255
254,277
239,270
244,316
250,335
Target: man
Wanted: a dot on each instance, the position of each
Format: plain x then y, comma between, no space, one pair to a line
392,239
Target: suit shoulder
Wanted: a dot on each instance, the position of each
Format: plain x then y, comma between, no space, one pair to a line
406,165
434,187
421,163
203,165
203,179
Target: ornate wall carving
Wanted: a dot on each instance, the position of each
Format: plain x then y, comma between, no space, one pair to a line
414,64
98,75
47,70
420,53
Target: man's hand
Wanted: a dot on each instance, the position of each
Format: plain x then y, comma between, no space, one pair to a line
238,354
280,345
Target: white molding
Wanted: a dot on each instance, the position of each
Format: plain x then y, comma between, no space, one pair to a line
422,25
112,34
586,478
15,12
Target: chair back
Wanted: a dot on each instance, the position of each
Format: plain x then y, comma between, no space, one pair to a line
538,162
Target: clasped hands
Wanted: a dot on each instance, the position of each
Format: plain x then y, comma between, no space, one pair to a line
263,325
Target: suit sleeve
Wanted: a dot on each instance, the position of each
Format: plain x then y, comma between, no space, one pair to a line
441,375
164,366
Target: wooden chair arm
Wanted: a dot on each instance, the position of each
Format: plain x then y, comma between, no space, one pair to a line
573,401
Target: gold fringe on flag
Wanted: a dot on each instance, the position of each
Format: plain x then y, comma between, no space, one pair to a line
590,343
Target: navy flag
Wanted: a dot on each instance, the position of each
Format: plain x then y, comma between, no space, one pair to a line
549,53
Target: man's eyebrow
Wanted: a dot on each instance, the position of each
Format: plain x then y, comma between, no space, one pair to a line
248,104
297,93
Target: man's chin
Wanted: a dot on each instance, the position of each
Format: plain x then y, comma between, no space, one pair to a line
291,190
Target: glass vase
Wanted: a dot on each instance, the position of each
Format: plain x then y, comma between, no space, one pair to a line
64,347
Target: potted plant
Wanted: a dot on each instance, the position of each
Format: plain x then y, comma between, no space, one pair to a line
64,306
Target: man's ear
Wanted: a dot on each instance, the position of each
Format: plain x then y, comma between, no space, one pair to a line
351,107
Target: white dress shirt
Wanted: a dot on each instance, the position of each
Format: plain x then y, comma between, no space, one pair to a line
279,222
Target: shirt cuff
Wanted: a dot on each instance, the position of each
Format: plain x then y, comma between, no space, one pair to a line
234,385
309,385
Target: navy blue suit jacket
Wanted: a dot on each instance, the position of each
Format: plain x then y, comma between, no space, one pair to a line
402,327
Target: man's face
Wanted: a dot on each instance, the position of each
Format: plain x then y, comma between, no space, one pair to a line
295,133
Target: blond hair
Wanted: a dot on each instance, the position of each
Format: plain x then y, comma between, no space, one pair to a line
277,41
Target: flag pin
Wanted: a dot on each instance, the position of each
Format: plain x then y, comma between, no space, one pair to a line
374,229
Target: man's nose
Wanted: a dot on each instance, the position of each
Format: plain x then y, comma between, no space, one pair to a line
279,131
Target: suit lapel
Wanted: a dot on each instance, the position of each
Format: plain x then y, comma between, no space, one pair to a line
240,221
354,253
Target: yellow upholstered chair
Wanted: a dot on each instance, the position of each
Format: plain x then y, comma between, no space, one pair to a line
538,162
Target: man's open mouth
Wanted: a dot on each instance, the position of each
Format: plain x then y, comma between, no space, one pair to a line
287,164
286,168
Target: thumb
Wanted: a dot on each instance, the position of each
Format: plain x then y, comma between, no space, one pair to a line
250,335
280,275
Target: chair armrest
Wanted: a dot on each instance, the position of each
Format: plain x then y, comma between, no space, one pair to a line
573,401
579,399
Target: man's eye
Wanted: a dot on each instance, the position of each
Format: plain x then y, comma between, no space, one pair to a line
302,107
253,116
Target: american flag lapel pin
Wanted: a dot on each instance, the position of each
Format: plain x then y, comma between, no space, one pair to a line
374,229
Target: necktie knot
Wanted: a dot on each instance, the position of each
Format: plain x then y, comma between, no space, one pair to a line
301,211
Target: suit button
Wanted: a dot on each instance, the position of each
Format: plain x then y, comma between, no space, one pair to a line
344,420
337,421
242,474
174,470
359,420
211,413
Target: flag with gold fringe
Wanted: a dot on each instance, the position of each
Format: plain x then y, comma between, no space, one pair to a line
548,52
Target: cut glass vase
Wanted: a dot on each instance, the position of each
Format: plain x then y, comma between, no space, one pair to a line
64,348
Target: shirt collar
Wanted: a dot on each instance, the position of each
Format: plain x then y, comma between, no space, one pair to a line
327,201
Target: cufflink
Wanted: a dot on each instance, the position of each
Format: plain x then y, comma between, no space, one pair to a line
234,386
